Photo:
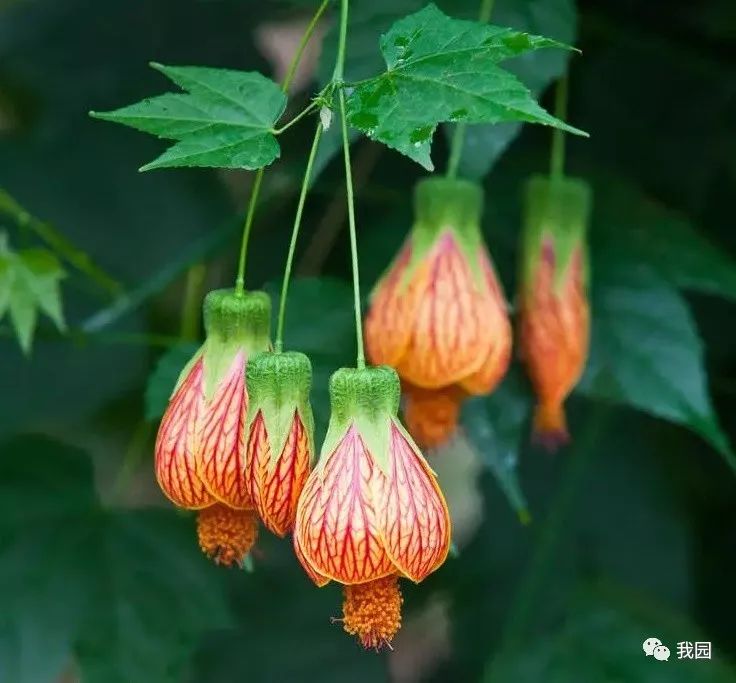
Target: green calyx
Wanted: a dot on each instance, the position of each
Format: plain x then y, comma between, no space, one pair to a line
233,323
556,209
369,399
278,387
443,205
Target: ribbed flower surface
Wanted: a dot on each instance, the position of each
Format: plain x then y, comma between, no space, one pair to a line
222,438
357,522
275,483
177,444
554,331
441,323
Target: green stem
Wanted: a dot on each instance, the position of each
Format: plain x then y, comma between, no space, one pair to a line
247,226
255,191
339,72
298,117
360,360
557,157
294,236
338,75
458,135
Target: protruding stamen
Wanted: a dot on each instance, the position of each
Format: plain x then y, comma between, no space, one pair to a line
226,535
372,611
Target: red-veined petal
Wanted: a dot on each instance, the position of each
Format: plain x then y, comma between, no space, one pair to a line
275,485
337,518
222,440
388,325
449,339
176,444
413,516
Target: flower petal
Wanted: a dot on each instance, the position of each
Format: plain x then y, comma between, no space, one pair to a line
337,517
175,444
498,355
275,484
554,328
450,337
413,518
222,442
389,322
317,579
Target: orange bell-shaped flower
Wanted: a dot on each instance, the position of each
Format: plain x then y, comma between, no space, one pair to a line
439,315
553,304
280,435
371,511
200,446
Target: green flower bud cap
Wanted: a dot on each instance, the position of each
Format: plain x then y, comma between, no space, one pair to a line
239,317
556,209
233,323
369,399
278,386
442,204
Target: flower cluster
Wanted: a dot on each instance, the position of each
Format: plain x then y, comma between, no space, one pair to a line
215,455
440,318
236,444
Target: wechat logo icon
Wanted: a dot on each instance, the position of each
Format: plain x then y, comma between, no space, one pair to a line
650,644
653,648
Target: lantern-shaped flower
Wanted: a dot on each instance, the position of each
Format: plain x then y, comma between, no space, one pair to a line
553,303
439,315
371,511
200,447
280,435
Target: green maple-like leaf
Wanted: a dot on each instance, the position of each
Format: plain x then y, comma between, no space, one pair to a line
443,69
646,351
224,120
29,283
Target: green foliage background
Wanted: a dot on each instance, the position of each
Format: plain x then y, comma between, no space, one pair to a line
633,528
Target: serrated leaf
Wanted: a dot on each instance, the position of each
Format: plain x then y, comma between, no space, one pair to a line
29,283
162,380
442,69
485,144
225,120
495,425
645,348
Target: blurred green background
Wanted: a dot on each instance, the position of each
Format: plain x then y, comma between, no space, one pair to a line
633,527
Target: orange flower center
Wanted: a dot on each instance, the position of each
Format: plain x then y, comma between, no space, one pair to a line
372,611
432,415
226,535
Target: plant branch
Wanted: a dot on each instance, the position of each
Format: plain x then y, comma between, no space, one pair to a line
256,189
294,236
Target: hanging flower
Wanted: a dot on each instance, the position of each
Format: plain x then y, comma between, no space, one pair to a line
439,315
371,511
280,435
200,447
553,304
